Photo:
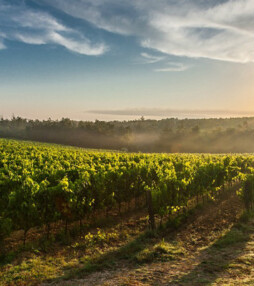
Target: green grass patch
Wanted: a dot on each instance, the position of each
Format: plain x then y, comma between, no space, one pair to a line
160,251
234,236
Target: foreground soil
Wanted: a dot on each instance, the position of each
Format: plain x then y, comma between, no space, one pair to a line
214,246
217,248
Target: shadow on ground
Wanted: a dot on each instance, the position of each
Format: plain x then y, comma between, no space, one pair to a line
225,259
211,261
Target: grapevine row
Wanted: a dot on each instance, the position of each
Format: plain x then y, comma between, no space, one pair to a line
41,184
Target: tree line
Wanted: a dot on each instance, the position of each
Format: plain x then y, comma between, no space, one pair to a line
166,135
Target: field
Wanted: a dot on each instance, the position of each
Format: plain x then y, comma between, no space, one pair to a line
72,216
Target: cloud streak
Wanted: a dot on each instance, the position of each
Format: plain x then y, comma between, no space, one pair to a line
2,46
26,25
150,59
219,30
173,67
166,112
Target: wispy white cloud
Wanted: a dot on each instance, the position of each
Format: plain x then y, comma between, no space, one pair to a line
113,16
173,67
30,39
82,47
2,36
2,46
218,29
36,20
150,59
23,24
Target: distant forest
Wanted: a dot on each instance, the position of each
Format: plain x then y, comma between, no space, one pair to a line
166,135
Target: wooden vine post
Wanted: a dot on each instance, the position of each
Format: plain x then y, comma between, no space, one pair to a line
150,209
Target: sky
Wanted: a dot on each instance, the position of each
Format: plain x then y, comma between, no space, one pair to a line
120,60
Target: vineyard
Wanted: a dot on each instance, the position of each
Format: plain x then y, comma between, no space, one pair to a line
41,184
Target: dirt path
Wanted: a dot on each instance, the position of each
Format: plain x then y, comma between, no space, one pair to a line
224,263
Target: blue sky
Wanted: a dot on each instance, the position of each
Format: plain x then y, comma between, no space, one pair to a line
116,59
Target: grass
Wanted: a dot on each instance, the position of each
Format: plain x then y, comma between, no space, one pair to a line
234,236
161,251
32,270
